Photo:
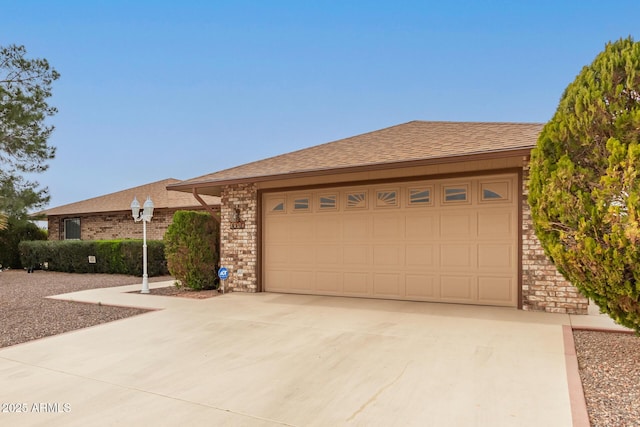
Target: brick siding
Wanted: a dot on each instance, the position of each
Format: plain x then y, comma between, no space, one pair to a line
115,225
239,239
543,288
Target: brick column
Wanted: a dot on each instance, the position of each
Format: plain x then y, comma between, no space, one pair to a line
239,236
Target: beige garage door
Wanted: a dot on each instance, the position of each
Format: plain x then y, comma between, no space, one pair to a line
449,240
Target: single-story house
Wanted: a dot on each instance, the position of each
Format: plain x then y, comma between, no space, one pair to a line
109,216
421,211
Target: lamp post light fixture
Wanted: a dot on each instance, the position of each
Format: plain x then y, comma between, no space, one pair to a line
144,216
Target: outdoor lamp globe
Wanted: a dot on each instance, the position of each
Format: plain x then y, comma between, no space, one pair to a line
148,209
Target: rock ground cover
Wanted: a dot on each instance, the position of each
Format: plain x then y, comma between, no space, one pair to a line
26,314
609,366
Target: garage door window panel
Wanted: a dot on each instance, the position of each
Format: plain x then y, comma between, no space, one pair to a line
276,205
455,194
328,202
495,191
356,200
387,198
420,196
302,204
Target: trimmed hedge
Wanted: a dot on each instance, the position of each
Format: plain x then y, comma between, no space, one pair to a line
112,256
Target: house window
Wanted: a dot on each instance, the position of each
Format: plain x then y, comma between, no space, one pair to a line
420,196
455,193
72,229
357,200
328,202
386,198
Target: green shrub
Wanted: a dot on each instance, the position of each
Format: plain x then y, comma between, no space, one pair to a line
112,256
10,238
192,248
584,185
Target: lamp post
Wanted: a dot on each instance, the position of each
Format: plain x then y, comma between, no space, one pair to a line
144,216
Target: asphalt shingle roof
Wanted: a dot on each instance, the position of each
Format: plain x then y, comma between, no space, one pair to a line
416,140
121,200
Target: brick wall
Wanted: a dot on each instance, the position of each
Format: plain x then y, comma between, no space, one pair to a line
543,288
239,236
54,227
116,225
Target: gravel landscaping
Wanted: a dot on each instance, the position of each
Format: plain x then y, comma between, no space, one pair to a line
609,362
25,313
610,371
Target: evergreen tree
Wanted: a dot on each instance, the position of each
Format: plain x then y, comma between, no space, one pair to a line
25,86
584,188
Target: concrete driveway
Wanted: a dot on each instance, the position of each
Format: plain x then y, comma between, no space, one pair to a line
272,359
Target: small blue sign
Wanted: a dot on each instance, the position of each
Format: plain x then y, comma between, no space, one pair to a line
223,273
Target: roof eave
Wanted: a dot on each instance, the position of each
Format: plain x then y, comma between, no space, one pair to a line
214,186
115,212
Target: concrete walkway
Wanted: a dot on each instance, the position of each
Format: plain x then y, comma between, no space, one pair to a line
271,359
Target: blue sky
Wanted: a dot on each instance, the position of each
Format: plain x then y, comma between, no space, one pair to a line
157,89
